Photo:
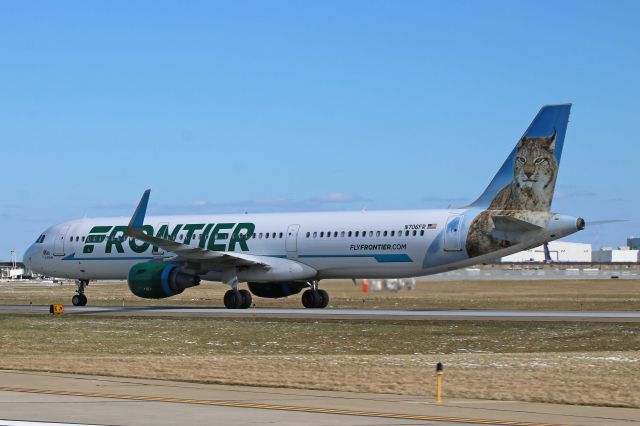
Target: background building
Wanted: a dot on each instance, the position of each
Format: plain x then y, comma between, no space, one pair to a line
633,243
560,251
620,255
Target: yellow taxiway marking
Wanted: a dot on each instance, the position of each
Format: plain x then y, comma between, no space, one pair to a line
276,407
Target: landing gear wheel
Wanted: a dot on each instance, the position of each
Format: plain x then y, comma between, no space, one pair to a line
233,299
246,299
324,298
80,299
311,299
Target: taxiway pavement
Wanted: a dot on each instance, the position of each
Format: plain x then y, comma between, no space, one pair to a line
51,397
338,314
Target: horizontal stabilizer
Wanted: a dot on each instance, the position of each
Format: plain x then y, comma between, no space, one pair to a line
511,229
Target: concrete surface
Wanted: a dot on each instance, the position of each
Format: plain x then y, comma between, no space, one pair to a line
343,314
55,397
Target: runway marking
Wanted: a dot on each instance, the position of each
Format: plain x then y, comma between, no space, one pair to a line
239,404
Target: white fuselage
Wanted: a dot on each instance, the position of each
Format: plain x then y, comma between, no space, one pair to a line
364,244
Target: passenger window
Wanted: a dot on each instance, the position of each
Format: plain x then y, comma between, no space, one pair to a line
421,232
406,233
253,236
357,234
349,233
328,234
335,234
266,235
83,239
377,233
414,232
385,233
371,233
308,234
281,235
364,234
399,233
315,234
321,234
260,235
393,233
273,235
342,234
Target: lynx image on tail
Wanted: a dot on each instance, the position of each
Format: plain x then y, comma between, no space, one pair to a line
526,197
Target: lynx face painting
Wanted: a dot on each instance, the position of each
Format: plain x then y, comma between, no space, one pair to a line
530,191
534,177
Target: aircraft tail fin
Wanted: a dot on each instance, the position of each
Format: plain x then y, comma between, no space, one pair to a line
526,180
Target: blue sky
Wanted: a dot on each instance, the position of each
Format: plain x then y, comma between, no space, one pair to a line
332,105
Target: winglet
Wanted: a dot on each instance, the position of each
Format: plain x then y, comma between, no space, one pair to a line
137,219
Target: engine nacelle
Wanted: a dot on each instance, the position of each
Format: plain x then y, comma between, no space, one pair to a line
276,290
159,280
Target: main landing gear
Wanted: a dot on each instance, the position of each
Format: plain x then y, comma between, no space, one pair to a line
315,297
80,299
237,299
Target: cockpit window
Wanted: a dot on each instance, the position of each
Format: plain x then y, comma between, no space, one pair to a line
40,239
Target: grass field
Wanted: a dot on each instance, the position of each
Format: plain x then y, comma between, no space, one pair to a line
562,362
578,363
604,295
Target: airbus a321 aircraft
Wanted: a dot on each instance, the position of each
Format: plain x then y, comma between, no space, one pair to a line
281,254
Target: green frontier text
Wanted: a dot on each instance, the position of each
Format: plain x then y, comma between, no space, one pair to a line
212,236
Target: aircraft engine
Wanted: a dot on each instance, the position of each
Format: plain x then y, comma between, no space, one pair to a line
276,290
159,280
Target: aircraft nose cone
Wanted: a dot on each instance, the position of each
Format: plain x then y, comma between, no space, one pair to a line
29,258
28,255
26,259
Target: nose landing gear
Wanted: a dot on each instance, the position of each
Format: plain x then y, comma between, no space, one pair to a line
80,299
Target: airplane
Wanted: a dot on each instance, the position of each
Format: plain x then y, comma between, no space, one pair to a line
281,254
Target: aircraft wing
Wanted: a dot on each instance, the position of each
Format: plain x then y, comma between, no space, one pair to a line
212,260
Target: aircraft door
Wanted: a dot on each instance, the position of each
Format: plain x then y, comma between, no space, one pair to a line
291,242
58,242
452,233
